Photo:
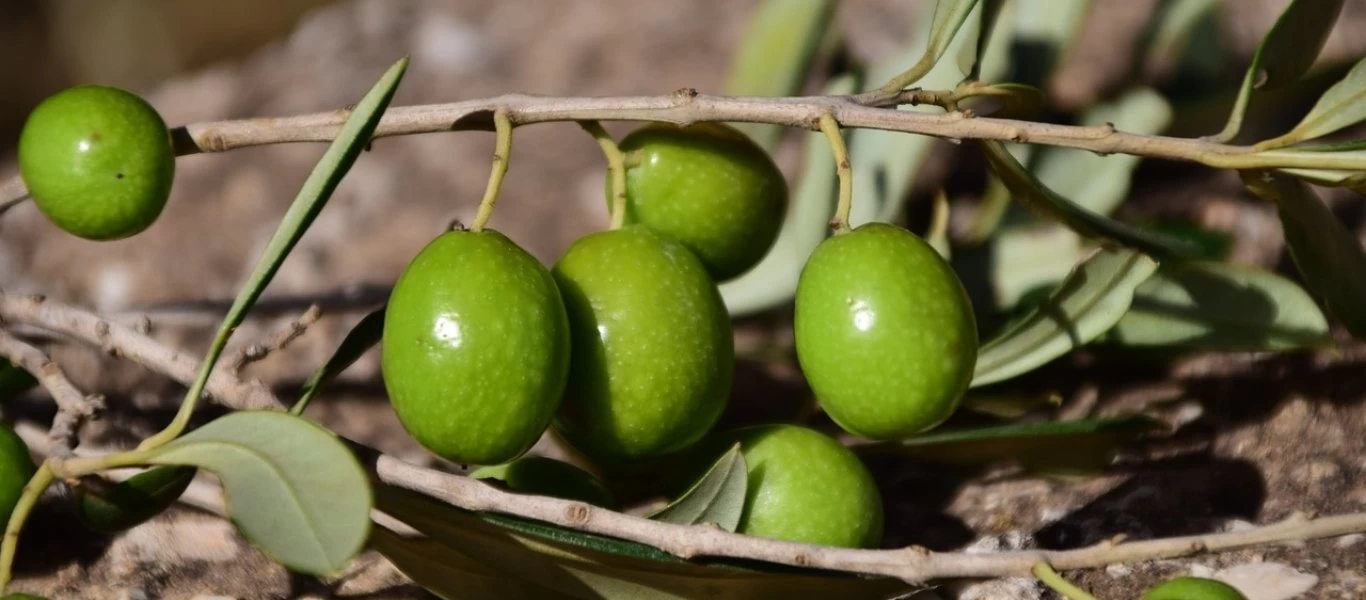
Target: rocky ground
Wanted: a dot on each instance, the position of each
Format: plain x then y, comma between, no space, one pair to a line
1264,436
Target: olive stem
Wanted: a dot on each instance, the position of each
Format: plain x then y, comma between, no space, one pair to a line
831,128
502,128
1052,579
42,478
616,165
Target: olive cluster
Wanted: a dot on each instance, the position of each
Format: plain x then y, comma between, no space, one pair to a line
624,349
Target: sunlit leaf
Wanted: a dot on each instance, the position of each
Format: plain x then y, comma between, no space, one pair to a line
1327,255
775,54
1100,183
1221,306
133,501
774,280
1343,105
718,497
948,18
1089,301
1285,53
1052,445
1033,194
593,570
291,486
363,336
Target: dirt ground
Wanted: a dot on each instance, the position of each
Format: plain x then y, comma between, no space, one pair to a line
1262,436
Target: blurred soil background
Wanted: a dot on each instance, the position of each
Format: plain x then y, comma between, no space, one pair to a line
1264,436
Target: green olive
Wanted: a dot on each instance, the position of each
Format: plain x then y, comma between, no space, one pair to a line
98,161
475,348
885,333
708,186
16,467
652,348
1193,588
804,486
545,476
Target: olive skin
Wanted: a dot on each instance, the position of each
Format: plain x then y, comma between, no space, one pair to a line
475,348
885,333
16,468
708,186
545,476
98,161
1193,588
652,354
804,486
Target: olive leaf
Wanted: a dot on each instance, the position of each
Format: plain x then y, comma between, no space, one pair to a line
1343,105
718,497
1008,405
291,486
1284,55
363,336
1033,194
1087,303
774,280
1328,256
1045,32
1176,34
449,574
581,565
1100,183
545,476
777,49
885,162
1045,445
1221,306
972,54
948,18
133,501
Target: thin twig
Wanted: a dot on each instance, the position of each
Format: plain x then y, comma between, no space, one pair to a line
73,407
913,564
254,352
864,111
125,341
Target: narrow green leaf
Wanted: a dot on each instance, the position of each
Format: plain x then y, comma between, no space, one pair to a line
1221,306
718,497
1328,256
774,280
1285,54
1354,180
449,574
1048,445
971,55
1174,27
292,487
363,336
1008,405
132,501
545,476
582,572
1090,301
949,16
1037,197
775,55
1100,183
1343,105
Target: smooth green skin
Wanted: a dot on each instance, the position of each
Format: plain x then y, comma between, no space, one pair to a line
16,467
135,500
885,333
708,186
475,348
652,351
544,476
98,161
1193,588
804,486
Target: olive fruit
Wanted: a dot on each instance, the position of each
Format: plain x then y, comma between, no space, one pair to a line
475,348
708,186
885,334
652,350
16,467
98,161
545,476
1193,588
804,486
